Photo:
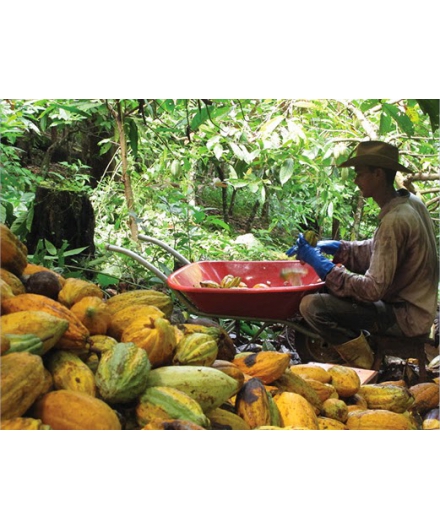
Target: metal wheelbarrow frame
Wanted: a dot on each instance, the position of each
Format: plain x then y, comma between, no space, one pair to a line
308,344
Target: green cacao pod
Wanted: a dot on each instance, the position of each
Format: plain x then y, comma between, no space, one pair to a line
26,342
208,386
122,373
199,349
167,403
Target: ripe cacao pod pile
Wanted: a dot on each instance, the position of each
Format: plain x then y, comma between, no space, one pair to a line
73,360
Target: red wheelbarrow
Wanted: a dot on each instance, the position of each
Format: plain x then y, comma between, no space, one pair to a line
278,303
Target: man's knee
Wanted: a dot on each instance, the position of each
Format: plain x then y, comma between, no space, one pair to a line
309,305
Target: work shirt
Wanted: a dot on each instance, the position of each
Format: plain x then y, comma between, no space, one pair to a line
399,265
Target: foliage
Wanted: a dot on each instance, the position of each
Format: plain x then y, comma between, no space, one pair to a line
215,179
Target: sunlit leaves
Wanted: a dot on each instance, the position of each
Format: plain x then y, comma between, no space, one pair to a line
402,120
268,127
286,171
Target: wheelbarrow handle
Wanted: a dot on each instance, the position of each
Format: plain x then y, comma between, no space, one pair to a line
166,247
139,259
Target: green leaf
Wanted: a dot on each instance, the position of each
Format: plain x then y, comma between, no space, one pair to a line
199,216
268,127
218,151
236,149
199,118
385,124
73,110
431,107
104,280
401,119
74,251
50,247
286,171
218,222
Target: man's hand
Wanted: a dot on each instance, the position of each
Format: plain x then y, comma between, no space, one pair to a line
328,246
313,257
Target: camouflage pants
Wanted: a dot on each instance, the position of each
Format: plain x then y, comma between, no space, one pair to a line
338,320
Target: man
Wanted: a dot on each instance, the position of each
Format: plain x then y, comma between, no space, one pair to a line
387,284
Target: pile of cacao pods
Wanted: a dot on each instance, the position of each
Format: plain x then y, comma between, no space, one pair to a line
73,359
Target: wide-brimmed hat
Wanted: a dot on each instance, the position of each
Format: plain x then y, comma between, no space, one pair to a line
377,154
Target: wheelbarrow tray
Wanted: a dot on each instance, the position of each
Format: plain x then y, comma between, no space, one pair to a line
280,301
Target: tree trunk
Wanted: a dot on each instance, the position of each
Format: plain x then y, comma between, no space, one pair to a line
357,218
61,215
118,115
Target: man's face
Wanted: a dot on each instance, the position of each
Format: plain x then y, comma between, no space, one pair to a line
366,180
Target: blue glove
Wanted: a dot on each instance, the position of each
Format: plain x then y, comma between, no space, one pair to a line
292,251
313,257
328,247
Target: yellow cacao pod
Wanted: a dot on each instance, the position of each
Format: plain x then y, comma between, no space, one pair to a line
22,379
345,380
290,382
336,409
139,296
386,397
13,253
75,337
69,372
330,424
5,290
32,268
426,396
222,419
266,365
310,371
13,281
378,420
120,320
296,411
172,425
324,390
93,313
23,424
48,328
252,403
71,410
155,336
74,289
230,369
102,344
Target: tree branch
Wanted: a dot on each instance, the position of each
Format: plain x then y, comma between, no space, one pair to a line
368,127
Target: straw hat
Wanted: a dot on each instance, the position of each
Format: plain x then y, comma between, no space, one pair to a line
377,154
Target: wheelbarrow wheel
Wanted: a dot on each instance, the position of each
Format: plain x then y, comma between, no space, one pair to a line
315,350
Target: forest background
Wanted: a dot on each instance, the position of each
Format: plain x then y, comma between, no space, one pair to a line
214,178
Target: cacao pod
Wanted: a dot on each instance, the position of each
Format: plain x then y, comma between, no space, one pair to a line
70,410
196,349
122,373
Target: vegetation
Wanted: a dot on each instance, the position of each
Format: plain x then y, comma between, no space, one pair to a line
215,179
